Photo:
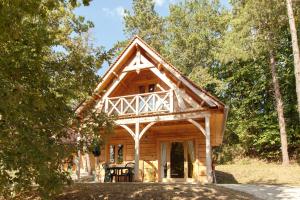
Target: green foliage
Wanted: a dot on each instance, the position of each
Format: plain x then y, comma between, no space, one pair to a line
189,37
145,22
46,68
255,29
226,52
195,29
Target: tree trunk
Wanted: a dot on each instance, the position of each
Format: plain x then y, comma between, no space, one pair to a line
295,49
279,108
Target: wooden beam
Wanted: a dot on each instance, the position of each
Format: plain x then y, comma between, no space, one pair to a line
159,66
137,152
226,110
185,152
145,129
88,163
207,99
138,55
188,99
145,60
124,85
198,125
162,77
178,92
180,100
160,87
137,67
128,130
114,66
117,76
166,80
112,87
133,61
168,160
208,151
168,117
78,164
179,83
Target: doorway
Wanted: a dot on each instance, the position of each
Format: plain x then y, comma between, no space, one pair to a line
177,160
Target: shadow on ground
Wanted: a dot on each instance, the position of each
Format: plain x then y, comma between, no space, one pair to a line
223,177
145,191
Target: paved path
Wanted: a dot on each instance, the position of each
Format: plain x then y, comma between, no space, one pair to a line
267,192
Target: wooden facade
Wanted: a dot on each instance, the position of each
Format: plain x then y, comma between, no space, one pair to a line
165,124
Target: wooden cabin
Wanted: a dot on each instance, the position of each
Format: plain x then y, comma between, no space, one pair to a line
165,123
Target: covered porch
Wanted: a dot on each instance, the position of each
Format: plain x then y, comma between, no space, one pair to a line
164,148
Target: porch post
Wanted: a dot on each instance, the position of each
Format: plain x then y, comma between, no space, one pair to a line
78,164
136,151
88,164
208,150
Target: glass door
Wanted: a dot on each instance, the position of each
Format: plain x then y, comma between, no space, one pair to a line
177,160
163,163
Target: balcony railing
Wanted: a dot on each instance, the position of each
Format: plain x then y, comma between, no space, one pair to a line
154,102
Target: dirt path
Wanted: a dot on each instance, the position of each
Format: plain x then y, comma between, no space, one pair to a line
147,191
268,192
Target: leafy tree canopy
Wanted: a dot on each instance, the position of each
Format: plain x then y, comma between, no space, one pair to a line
46,68
226,52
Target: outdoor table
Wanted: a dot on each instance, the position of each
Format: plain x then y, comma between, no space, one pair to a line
117,172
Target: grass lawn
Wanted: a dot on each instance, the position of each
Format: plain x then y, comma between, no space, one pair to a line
258,172
148,191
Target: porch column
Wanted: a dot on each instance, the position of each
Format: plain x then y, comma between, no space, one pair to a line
88,164
136,151
78,164
208,150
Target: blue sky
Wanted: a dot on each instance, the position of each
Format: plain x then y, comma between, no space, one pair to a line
107,17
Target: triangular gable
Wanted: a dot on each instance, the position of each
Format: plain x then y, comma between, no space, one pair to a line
131,59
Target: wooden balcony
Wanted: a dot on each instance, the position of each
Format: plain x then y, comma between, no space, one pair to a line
140,104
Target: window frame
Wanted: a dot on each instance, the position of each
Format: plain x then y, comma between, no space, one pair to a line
116,154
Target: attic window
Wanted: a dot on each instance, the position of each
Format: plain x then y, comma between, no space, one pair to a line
142,89
151,88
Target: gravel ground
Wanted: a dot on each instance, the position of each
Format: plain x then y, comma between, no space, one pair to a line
268,192
145,191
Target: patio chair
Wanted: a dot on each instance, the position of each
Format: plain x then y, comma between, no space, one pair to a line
129,173
108,174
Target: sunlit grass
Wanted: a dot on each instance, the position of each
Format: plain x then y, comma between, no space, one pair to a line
258,172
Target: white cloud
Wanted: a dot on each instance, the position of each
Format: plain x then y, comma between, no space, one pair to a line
118,11
159,2
108,11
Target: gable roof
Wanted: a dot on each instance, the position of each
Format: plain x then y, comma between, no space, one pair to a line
110,74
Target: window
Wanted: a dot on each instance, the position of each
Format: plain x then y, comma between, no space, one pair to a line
142,89
120,153
116,154
151,87
112,153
